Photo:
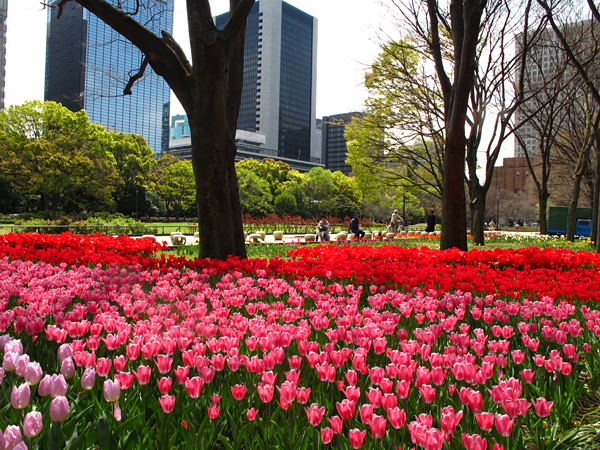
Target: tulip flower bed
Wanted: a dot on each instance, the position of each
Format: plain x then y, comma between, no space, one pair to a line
336,347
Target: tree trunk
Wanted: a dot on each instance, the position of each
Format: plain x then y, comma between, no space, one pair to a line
543,196
571,216
478,225
596,208
213,125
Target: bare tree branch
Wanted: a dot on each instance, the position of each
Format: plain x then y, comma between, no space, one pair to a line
137,76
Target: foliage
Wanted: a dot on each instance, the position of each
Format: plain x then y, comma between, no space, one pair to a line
285,203
49,151
173,181
399,142
106,225
255,195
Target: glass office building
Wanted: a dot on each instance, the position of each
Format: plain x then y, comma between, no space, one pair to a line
3,13
88,65
280,74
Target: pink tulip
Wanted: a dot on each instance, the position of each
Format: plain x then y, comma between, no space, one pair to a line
65,351
67,368
238,391
167,403
346,409
397,417
504,424
302,395
251,413
194,386
112,390
21,364
143,374
59,409
163,363
485,420
326,435
33,373
336,424
427,393
366,413
12,437
542,407
164,385
377,425
287,391
103,366
315,414
88,379
449,420
356,437
19,397
32,424
58,386
44,386
473,442
9,361
213,412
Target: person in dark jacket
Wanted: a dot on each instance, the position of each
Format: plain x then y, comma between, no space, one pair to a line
355,227
430,222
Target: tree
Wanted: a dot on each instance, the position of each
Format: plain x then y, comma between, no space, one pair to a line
255,195
173,181
399,142
320,190
286,204
134,162
48,151
276,173
209,89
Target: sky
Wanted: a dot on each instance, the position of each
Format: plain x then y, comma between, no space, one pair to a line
347,43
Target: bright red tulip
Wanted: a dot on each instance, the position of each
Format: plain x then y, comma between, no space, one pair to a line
238,391
485,420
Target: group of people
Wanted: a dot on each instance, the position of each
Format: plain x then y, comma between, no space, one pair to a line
323,229
396,223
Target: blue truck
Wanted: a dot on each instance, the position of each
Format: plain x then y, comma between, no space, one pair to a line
557,221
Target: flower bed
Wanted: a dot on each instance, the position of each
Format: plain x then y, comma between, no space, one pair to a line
340,346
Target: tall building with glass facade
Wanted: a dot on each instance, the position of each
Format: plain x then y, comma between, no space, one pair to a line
88,65
280,78
3,13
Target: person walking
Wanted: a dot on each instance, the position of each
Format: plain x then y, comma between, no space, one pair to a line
355,227
430,222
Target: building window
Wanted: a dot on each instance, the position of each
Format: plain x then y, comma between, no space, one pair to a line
499,188
517,191
518,174
526,174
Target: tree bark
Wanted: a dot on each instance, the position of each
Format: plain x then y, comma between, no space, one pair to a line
210,91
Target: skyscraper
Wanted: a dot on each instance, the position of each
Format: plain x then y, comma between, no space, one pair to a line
3,12
88,65
334,146
280,77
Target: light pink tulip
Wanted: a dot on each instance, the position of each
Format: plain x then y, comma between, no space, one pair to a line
33,373
19,397
32,424
59,409
112,390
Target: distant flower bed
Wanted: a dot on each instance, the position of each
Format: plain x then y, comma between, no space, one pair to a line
340,346
92,225
295,224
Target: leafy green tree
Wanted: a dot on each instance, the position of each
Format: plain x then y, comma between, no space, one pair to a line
344,206
255,195
320,190
399,142
173,181
286,204
134,162
48,151
275,173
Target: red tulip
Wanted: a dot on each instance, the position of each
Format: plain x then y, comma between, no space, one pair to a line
427,393
213,412
473,442
397,417
143,374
